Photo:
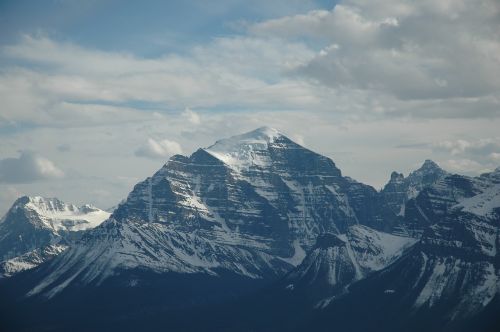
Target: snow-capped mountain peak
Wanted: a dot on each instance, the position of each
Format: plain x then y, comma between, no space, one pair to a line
59,216
244,151
264,132
35,225
262,135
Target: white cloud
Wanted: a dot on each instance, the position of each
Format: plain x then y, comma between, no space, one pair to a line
462,166
158,149
454,147
470,155
28,167
418,50
236,72
192,117
495,156
478,148
361,59
7,196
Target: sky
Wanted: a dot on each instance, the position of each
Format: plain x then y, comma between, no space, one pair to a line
96,95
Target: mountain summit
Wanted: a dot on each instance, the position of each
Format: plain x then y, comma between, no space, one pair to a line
251,149
400,189
262,136
36,229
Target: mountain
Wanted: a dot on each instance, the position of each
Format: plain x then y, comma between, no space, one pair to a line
257,233
36,229
250,205
449,279
336,261
400,189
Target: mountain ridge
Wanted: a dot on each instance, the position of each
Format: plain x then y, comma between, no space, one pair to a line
259,210
198,215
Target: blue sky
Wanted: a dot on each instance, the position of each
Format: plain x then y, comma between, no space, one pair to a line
97,95
146,28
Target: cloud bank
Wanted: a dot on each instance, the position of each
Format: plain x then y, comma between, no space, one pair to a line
158,149
422,59
28,167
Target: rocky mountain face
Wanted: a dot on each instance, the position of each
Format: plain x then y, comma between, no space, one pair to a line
337,261
250,205
460,242
30,259
36,229
446,280
400,190
205,232
449,277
